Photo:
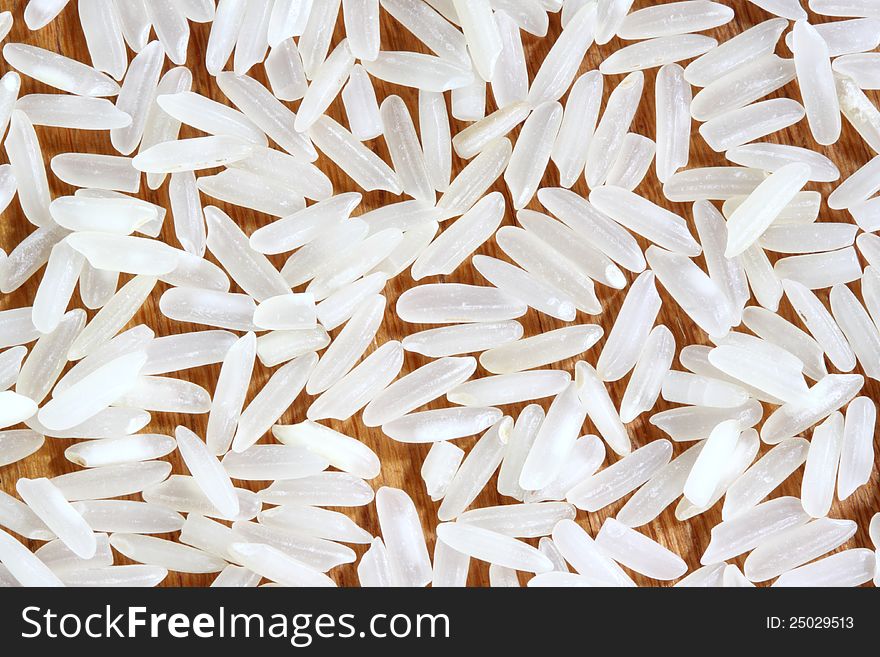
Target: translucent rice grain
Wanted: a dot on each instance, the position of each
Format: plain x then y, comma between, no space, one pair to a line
816,82
519,283
861,68
542,349
576,130
764,282
58,71
23,565
575,249
117,576
586,557
561,63
272,401
776,330
341,451
473,181
111,480
857,326
210,307
633,162
519,444
168,395
469,101
475,471
481,33
634,321
251,43
461,238
73,112
373,568
289,18
450,567
182,494
402,532
462,339
171,27
115,314
436,140
848,568
207,472
638,552
771,157
613,127
751,122
674,18
857,451
609,15
47,359
52,508
361,164
448,303
743,455
661,490
315,521
278,566
650,370
821,325
796,546
406,152
829,394
493,547
285,72
423,72
509,388
616,481
548,547
743,86
700,297
708,469
654,53
124,449
273,462
430,28
268,113
750,528
236,577
28,169
103,33
606,235
303,226
39,13
763,206
859,110
224,31
439,468
510,81
17,445
601,409
355,390
736,52
764,476
441,424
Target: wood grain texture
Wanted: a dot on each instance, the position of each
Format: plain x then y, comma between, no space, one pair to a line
401,463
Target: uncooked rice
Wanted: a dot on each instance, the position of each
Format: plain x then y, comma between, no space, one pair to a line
372,263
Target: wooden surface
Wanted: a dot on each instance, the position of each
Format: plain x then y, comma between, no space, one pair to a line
401,463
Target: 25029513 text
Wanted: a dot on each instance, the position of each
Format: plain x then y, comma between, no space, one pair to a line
810,623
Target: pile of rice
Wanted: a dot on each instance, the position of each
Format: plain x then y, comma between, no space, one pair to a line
558,264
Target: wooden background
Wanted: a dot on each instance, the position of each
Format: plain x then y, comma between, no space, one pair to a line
401,463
